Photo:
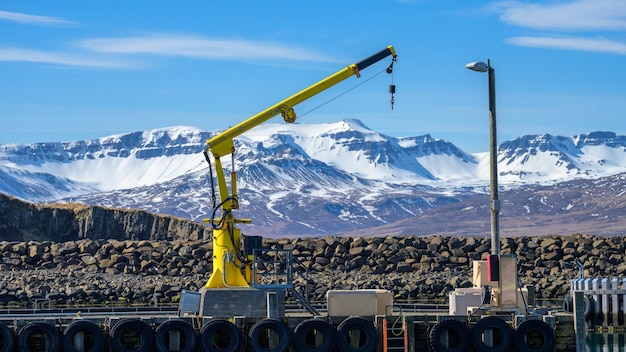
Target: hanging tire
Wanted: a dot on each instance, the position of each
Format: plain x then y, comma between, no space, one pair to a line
589,304
314,335
259,336
568,303
502,335
220,335
6,338
31,336
162,334
94,337
459,338
131,335
534,335
346,340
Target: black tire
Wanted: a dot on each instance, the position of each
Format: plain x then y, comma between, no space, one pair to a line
310,329
6,338
131,327
162,332
367,335
568,303
258,336
459,336
219,335
534,336
501,332
96,341
589,304
52,337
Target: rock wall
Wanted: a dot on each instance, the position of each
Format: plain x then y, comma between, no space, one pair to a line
91,271
22,221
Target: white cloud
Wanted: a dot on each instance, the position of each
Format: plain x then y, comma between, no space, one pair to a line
567,16
584,44
37,56
203,48
34,20
570,15
114,52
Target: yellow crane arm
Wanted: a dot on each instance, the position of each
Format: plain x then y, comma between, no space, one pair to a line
231,268
222,144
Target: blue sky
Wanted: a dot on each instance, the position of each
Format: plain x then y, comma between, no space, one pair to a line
74,70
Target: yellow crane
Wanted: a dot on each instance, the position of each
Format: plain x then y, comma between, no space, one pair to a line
230,267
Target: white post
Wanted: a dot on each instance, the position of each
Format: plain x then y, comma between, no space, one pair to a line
615,301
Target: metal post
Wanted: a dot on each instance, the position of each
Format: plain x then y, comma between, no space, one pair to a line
493,154
272,304
580,326
493,163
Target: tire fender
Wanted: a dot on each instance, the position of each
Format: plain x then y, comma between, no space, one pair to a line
368,338
534,326
84,326
568,303
162,333
458,333
125,325
589,304
502,333
321,329
53,337
7,338
257,336
228,334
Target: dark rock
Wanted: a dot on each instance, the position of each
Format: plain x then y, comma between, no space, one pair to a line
97,271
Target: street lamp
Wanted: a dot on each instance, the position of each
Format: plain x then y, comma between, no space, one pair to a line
493,154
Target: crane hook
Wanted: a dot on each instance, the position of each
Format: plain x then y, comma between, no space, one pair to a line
392,87
390,68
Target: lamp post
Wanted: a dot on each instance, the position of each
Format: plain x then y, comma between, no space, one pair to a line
493,154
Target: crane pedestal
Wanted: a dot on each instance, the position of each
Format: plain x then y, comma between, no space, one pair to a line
242,301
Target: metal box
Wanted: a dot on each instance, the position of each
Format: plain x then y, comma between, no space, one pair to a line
463,298
508,275
480,275
189,303
358,302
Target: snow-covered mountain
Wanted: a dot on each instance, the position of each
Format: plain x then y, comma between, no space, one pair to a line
546,158
123,161
299,179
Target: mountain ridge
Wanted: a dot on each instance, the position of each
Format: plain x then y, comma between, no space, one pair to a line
299,179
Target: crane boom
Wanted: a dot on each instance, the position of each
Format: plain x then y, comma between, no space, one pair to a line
221,144
230,267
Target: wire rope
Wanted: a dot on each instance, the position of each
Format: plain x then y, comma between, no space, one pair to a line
342,94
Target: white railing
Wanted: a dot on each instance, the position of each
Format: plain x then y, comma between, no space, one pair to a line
605,301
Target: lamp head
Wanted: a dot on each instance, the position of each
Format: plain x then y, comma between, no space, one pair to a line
477,66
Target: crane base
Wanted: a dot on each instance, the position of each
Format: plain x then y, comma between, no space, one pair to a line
245,301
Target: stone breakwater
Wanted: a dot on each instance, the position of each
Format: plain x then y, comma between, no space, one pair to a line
417,268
